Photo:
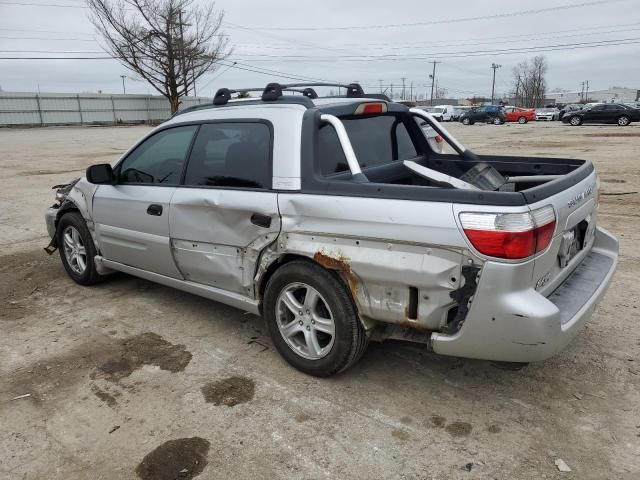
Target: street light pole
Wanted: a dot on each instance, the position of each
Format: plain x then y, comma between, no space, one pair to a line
495,66
124,90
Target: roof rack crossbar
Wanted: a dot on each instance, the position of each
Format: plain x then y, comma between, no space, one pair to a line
273,91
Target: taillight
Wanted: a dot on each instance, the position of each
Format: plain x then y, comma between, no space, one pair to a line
371,108
510,235
438,139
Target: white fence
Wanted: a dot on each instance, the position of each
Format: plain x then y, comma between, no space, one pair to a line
33,109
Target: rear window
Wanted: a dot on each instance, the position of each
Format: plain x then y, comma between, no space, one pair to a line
375,140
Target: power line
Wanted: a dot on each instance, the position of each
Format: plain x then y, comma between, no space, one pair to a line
8,29
450,54
50,39
445,21
25,4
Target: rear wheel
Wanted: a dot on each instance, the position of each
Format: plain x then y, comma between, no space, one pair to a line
312,319
522,120
497,121
466,121
77,250
623,121
575,120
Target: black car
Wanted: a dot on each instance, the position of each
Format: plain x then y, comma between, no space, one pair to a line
485,114
603,113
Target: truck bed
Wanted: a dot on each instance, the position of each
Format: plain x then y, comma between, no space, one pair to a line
395,180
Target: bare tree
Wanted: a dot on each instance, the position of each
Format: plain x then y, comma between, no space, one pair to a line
168,43
440,92
529,84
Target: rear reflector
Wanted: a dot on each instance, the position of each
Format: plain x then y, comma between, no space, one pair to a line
510,235
371,108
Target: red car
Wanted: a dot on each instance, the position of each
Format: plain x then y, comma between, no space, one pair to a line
520,115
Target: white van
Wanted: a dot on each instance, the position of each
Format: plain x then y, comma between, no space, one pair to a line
448,112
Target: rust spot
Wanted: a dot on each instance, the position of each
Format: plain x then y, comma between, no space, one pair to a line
339,264
410,323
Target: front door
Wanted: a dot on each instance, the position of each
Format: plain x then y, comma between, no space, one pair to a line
596,114
225,214
132,216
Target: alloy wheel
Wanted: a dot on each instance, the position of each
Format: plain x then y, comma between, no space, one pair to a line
74,250
305,321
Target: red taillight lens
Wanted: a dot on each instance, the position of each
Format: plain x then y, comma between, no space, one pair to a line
510,235
371,108
438,139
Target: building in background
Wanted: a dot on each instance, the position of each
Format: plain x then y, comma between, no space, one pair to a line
610,95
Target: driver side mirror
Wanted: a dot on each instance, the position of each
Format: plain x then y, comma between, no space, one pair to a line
101,174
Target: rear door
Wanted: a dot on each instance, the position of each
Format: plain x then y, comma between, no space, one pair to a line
613,112
132,216
225,212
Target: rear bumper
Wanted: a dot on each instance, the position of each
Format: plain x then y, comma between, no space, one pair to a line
523,325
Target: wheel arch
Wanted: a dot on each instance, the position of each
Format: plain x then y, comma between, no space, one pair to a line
340,271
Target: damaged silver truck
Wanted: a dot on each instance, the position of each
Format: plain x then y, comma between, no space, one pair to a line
336,220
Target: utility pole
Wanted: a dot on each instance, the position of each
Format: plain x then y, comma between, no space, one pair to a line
403,91
433,80
124,90
380,85
411,94
587,95
495,66
392,92
582,93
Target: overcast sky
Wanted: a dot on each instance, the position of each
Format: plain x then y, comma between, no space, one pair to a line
447,31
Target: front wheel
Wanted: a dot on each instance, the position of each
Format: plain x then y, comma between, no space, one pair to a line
497,121
623,121
522,120
312,320
77,250
466,121
575,121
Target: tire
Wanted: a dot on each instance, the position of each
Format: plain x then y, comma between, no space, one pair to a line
575,121
623,120
522,120
289,289
497,121
77,250
466,121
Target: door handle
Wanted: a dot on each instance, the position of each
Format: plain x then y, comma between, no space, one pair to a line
154,209
263,221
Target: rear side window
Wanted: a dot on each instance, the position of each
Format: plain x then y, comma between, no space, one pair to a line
159,159
231,155
375,140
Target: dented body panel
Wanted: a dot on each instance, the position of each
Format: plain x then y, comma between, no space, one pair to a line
380,248
214,240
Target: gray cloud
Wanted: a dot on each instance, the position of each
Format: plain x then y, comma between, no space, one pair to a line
323,54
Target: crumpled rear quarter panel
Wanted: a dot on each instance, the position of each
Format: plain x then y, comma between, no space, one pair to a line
380,247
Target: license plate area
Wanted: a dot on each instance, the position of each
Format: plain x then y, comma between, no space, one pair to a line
574,240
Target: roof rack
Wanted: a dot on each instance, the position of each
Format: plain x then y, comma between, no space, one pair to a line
273,91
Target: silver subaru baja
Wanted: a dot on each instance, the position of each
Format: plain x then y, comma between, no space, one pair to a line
338,221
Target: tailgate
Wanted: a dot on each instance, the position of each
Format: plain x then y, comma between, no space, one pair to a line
576,217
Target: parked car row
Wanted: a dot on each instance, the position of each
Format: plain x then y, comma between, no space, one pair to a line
616,113
573,114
